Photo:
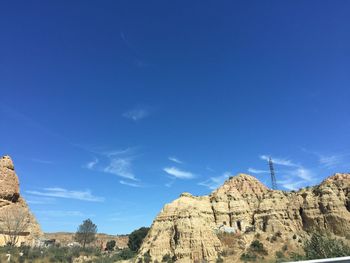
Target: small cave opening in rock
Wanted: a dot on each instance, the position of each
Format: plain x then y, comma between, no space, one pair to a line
12,198
239,225
264,225
176,236
302,215
347,205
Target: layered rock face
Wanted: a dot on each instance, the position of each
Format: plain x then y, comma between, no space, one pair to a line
9,186
10,201
188,229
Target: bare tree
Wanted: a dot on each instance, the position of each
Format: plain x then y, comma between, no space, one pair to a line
15,223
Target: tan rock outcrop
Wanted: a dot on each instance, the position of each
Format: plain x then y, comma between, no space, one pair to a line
9,186
10,201
188,229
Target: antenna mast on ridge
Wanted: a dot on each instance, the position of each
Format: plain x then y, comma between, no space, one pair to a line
273,177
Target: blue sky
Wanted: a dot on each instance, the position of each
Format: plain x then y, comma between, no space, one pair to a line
110,109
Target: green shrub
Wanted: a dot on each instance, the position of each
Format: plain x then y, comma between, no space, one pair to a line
323,246
296,257
147,257
279,254
110,245
219,260
168,259
249,256
136,238
124,254
258,247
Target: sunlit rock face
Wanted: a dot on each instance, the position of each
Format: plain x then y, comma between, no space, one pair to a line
187,229
11,200
9,186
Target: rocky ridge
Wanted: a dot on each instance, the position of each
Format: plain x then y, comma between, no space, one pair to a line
190,229
10,200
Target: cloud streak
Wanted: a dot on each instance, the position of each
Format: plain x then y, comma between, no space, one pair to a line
120,167
129,183
117,162
175,160
214,182
279,161
293,175
92,164
257,171
331,161
136,114
177,173
290,184
67,194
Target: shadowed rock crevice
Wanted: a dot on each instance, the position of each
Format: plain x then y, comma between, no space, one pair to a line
347,205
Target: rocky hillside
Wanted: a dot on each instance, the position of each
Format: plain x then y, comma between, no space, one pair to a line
224,224
13,205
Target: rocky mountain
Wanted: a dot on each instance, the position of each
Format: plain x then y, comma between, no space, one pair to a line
13,206
224,223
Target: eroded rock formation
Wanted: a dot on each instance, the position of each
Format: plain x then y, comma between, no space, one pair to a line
12,204
188,229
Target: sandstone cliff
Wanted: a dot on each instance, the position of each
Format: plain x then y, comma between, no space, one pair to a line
192,229
11,200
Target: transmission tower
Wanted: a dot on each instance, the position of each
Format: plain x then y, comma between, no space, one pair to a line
273,177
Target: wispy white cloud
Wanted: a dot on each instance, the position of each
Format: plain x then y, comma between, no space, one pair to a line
120,167
338,160
303,173
124,152
92,164
117,162
290,184
175,172
129,183
170,184
214,182
208,168
331,161
280,161
39,200
293,176
64,193
134,56
175,160
257,171
136,114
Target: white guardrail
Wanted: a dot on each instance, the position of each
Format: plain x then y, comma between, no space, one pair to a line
326,260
